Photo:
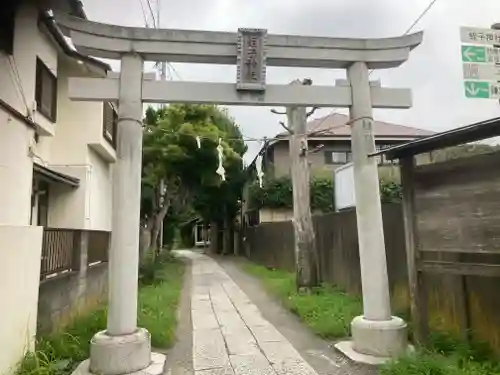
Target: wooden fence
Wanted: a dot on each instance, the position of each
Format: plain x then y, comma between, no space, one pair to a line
452,215
458,299
272,245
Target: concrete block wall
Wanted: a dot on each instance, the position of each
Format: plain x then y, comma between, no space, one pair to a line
65,296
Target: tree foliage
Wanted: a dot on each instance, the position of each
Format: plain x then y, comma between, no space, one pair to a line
172,155
278,193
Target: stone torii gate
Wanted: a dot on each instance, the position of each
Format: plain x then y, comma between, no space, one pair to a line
125,348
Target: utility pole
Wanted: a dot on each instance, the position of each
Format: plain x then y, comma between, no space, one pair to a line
306,256
163,76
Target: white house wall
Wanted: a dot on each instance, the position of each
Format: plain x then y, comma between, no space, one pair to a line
30,43
79,123
67,205
100,193
89,205
63,147
16,168
20,249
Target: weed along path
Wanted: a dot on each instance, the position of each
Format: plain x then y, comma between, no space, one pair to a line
232,336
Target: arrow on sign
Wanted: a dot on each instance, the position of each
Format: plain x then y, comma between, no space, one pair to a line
474,90
482,90
473,54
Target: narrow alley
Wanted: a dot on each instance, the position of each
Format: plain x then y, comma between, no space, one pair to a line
230,334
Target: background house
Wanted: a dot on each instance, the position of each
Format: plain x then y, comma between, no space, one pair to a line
335,137
55,176
329,142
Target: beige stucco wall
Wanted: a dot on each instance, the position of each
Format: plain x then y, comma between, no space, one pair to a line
318,167
316,161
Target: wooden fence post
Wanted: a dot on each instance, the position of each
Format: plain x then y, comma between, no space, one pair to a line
418,297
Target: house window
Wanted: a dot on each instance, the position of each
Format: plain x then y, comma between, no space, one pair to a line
338,157
7,16
109,123
46,91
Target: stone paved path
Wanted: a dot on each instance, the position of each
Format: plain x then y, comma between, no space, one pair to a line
230,336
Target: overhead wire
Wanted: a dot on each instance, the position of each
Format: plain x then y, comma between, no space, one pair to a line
408,30
16,78
155,25
146,22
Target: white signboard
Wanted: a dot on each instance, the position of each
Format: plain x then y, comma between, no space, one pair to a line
482,72
344,187
474,35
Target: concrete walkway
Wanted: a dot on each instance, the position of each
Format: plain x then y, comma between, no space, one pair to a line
230,336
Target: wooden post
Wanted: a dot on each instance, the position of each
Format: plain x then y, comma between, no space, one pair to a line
418,297
306,257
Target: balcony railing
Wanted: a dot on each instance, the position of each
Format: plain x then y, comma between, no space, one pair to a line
57,251
62,250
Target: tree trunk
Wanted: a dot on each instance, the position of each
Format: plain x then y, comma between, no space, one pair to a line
144,241
214,237
306,257
155,231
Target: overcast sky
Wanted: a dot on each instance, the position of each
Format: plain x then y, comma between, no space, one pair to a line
433,72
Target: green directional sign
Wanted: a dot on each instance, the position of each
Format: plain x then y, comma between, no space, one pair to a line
482,90
474,54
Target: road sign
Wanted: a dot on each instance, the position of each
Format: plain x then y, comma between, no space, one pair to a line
474,35
482,90
480,54
483,72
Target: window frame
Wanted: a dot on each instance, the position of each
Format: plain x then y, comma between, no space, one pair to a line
41,70
111,138
330,157
7,25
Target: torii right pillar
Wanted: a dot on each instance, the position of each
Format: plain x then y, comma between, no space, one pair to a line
376,335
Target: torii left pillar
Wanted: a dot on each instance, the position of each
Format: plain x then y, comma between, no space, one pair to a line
123,348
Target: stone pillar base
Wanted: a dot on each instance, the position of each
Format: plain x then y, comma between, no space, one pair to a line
155,368
118,355
375,342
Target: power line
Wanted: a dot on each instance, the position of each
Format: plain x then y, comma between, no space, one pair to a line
18,82
410,28
174,70
148,2
429,7
146,23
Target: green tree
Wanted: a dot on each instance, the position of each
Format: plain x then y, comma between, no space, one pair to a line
180,154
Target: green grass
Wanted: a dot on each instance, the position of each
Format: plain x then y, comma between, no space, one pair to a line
327,310
445,356
58,354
